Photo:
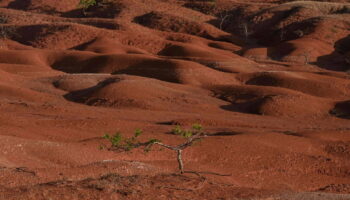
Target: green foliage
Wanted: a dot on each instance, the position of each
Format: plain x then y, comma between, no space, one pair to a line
196,129
119,142
177,130
150,144
85,4
115,139
138,132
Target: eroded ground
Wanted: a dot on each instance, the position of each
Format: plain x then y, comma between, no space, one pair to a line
267,80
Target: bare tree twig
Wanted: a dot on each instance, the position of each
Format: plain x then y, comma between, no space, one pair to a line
180,147
222,19
120,143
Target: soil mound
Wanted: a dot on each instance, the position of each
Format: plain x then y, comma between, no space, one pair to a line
172,23
312,84
107,46
272,101
23,57
142,93
267,80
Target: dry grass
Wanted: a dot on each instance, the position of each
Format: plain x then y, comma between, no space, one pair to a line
5,30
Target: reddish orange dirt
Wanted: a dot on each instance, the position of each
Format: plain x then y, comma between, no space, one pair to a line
267,79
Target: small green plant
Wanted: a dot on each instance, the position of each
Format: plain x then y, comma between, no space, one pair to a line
85,4
120,143
196,129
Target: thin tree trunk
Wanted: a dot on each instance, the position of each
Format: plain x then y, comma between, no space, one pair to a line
245,27
222,21
179,160
179,149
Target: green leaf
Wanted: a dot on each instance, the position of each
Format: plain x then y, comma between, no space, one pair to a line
87,3
187,134
152,141
177,130
138,132
116,139
197,127
106,136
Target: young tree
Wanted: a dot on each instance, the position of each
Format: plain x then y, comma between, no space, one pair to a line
244,27
120,143
223,16
192,136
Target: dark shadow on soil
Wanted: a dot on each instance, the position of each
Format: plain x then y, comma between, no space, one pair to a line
20,4
341,110
336,61
80,96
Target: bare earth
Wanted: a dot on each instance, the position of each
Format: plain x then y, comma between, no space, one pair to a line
267,79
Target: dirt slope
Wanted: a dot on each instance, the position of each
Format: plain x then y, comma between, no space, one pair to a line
268,80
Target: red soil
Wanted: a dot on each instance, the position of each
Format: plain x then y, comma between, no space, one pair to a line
276,103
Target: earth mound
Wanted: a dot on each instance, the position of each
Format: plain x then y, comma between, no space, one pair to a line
267,79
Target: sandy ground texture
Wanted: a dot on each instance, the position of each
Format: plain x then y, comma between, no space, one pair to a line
267,79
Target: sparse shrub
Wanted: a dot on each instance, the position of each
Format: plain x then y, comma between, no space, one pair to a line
222,17
120,143
6,31
245,30
85,4
99,8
